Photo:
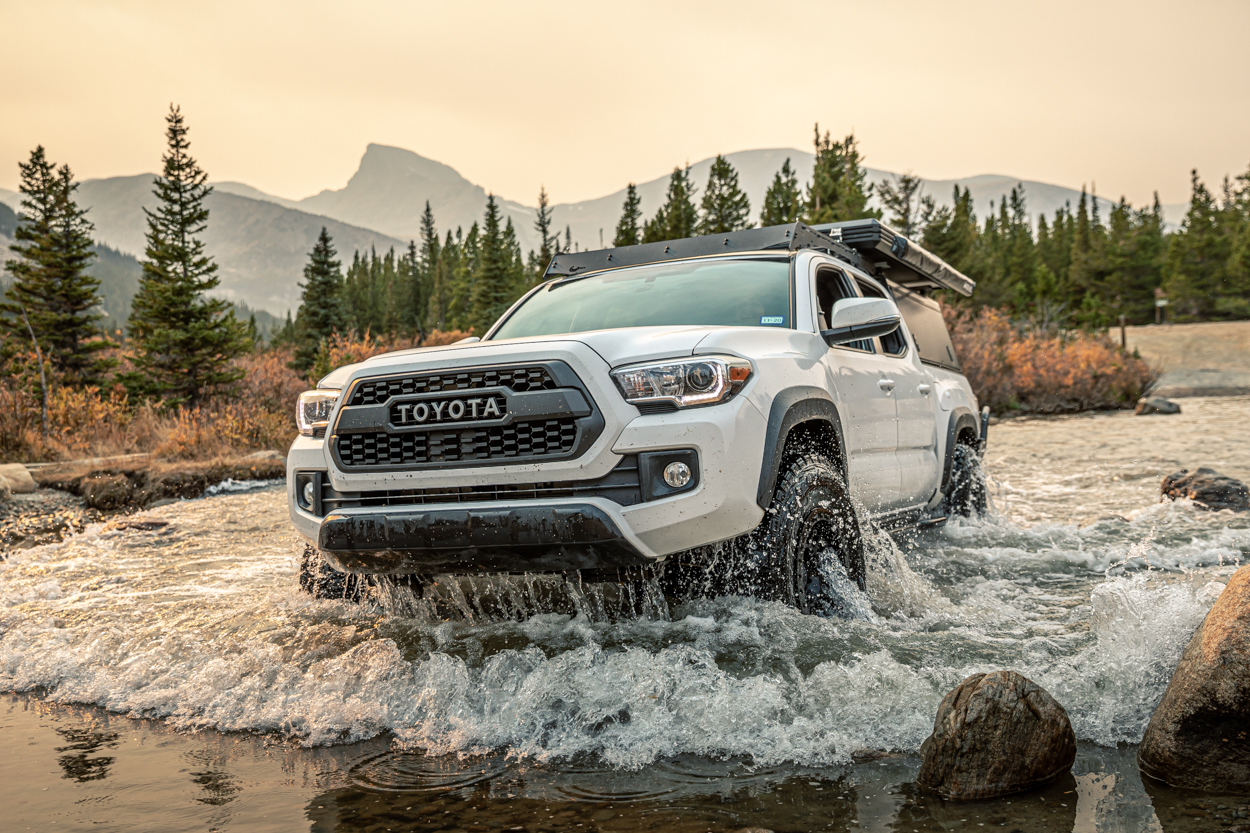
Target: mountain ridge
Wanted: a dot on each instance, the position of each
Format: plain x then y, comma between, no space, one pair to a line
261,241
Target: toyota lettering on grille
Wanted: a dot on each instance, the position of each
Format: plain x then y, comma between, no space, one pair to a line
437,411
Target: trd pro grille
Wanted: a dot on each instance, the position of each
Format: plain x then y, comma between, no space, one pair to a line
522,439
519,379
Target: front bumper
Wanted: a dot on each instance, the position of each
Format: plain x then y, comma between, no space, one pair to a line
490,538
540,533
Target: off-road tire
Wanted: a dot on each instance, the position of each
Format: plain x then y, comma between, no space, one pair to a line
810,513
967,494
322,581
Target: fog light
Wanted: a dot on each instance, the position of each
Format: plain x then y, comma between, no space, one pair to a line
677,475
309,494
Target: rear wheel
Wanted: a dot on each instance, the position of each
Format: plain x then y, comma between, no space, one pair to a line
809,530
967,493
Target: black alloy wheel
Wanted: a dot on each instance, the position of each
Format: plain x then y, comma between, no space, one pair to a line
810,519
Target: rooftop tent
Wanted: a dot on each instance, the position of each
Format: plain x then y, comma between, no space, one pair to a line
865,244
905,263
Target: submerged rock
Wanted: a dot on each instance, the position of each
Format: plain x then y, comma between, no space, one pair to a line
1207,487
996,734
1156,405
1199,736
107,492
19,479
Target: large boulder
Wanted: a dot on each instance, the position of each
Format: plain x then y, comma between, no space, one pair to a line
6,491
1156,405
996,734
19,479
1199,736
1207,487
107,492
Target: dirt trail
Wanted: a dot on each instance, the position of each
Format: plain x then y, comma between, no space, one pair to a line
1210,359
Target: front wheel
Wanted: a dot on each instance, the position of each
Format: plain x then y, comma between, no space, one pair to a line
322,581
809,535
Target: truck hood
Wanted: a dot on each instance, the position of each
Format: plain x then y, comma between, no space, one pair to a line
616,347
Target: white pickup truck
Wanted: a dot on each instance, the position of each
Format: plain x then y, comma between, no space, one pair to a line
757,394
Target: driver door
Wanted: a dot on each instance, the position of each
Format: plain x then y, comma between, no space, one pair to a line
863,386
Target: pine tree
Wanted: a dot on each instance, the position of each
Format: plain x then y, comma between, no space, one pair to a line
725,206
677,217
323,311
51,287
184,339
627,232
547,242
839,189
910,208
953,235
490,291
1198,257
784,199
414,298
432,282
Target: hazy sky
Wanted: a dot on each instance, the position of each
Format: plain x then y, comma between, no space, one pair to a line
585,97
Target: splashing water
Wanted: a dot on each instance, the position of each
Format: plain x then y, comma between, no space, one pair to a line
199,623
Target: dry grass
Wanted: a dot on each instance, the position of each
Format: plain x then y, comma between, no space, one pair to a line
258,415
1016,370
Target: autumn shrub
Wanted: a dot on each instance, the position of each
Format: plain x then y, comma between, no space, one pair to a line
256,414
1018,369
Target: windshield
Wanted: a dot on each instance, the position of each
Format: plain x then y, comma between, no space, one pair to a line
708,293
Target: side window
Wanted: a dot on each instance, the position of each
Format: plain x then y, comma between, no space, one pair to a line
895,344
832,286
924,320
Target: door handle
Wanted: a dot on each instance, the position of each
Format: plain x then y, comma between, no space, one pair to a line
925,389
886,384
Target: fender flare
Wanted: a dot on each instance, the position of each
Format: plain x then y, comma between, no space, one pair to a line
961,418
792,407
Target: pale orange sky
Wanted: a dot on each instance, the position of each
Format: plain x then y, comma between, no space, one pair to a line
585,97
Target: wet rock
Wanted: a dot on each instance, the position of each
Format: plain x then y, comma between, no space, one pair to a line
6,491
1207,487
107,492
996,734
19,479
1156,405
1199,736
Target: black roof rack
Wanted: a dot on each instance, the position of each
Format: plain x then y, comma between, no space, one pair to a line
906,263
864,244
789,237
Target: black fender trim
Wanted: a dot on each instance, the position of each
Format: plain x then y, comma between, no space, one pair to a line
961,418
792,407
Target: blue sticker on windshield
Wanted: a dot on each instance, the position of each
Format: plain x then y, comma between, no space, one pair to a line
772,319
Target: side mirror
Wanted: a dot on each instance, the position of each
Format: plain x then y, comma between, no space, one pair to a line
859,318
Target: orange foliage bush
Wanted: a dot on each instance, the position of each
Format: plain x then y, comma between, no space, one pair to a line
1013,369
259,413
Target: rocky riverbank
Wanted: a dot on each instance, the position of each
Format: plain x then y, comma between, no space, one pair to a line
68,497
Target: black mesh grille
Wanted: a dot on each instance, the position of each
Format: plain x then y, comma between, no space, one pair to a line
519,379
522,439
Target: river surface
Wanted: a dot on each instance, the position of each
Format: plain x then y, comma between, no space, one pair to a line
162,672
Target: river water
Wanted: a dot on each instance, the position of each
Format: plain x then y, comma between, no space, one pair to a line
163,673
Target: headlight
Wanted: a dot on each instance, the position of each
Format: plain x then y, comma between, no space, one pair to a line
312,412
685,383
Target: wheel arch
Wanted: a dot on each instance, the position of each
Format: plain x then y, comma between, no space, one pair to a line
963,427
799,412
